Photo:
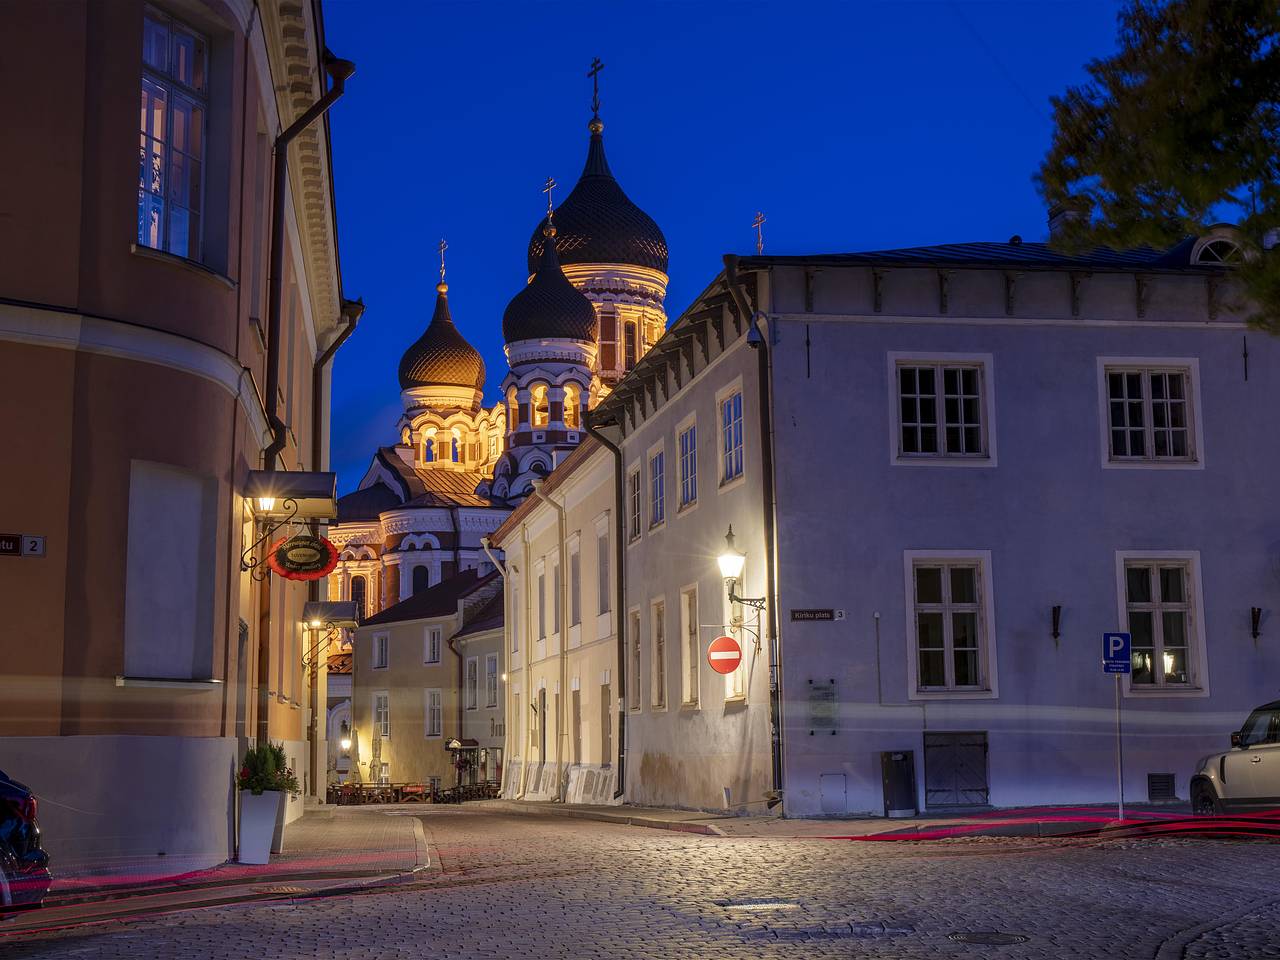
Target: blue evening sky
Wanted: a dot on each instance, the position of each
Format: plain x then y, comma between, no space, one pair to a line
853,126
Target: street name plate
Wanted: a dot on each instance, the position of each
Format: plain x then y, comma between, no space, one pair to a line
816,614
10,544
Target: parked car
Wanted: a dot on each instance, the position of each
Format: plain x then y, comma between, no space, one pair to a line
24,866
1246,777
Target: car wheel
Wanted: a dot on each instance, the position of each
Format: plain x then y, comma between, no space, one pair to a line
1204,801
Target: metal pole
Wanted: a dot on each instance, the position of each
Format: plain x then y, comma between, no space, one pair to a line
1119,754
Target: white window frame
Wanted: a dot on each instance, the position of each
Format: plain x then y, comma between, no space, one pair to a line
471,683
687,464
492,681
635,506
656,485
575,581
690,649
381,651
987,653
635,659
432,643
985,364
1197,657
427,713
1190,366
383,723
658,678
724,394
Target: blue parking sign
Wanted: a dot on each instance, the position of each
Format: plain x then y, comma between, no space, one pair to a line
1117,652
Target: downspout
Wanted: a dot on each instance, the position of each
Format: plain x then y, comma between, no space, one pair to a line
563,630
351,312
339,71
457,541
760,342
487,545
461,691
528,663
620,593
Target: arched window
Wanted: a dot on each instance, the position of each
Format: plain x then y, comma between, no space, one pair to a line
513,409
572,397
541,412
608,337
428,451
630,345
421,578
1219,253
358,588
457,449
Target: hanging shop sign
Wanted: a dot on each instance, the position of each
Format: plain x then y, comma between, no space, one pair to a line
302,557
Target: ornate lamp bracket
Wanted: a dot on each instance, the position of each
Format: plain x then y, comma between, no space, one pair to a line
257,566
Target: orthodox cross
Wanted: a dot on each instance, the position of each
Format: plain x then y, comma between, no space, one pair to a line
758,223
443,247
547,188
594,74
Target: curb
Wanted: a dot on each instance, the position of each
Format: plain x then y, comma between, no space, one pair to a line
624,819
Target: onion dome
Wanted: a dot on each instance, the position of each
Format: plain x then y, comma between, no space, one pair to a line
598,223
441,357
549,307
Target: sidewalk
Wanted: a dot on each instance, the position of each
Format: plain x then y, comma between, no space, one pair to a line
1063,822
330,850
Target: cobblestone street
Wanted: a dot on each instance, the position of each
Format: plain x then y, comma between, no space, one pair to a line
539,886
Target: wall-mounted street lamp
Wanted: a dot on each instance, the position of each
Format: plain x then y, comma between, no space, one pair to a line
344,740
731,563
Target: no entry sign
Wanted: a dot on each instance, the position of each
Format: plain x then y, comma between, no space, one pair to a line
724,654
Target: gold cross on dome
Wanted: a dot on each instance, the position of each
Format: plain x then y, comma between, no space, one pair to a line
758,223
547,188
443,247
594,73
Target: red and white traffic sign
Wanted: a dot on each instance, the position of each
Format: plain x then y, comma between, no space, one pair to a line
724,654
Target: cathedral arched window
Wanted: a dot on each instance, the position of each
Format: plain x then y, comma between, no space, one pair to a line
456,448
630,345
513,409
541,411
572,404
428,450
608,337
421,578
358,588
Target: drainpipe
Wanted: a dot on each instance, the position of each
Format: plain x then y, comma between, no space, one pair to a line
487,545
457,541
339,71
620,592
563,527
757,340
461,689
528,663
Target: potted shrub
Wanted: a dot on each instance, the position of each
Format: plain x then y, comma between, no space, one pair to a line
265,778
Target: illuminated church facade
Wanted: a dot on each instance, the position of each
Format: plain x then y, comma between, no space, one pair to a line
592,307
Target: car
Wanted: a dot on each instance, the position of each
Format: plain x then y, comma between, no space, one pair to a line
1246,777
24,865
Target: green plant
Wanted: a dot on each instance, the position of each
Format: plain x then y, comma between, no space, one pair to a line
266,767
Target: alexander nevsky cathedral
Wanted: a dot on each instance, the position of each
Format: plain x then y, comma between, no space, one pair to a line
593,304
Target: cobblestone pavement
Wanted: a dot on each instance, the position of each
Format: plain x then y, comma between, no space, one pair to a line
539,886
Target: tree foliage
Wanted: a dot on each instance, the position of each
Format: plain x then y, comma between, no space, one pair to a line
1176,131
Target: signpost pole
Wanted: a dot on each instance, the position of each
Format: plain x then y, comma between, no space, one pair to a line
1117,659
1119,754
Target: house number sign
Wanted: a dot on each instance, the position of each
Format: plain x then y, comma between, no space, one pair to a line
21,545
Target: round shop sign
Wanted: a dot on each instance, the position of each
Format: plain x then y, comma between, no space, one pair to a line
303,557
724,654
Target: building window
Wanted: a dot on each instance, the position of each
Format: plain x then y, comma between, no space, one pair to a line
555,598
629,346
950,624
493,447
692,649
435,713
1158,604
381,651
433,783
731,437
515,618
575,588
473,683
608,337
941,410
172,137
384,774
602,572
431,653
421,578
382,715
689,466
542,605
429,450
633,664
358,588
659,628
657,489
1149,414
491,680
633,505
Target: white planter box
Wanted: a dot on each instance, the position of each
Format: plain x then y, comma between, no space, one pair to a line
259,819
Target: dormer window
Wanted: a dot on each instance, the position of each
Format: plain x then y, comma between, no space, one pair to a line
1218,252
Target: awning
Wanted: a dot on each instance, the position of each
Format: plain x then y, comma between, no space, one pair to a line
330,613
453,743
315,493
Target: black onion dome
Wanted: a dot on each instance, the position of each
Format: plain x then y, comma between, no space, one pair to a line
549,306
598,223
441,357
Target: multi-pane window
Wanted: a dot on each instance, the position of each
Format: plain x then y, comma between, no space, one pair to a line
941,410
472,685
435,713
515,618
493,447
689,466
602,572
491,680
659,654
657,489
633,505
948,615
630,344
633,660
381,651
555,599
1149,414
384,774
731,437
692,658
432,652
542,606
575,588
608,337
171,149
382,715
1158,602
